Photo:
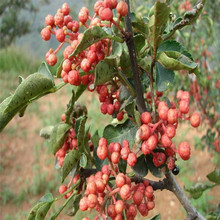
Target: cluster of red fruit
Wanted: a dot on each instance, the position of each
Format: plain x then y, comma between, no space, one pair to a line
110,100
66,30
159,135
114,151
63,188
69,144
98,193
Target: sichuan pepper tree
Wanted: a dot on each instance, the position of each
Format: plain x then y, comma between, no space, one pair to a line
129,61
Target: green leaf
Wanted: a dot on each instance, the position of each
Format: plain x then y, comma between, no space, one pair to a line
81,134
172,45
156,217
154,170
197,190
98,163
34,85
95,139
164,78
42,211
122,166
125,62
105,70
33,212
214,176
91,36
71,159
83,160
59,70
47,198
130,107
75,205
139,42
157,23
140,168
124,94
120,132
6,116
43,69
116,49
139,24
173,60
58,136
79,91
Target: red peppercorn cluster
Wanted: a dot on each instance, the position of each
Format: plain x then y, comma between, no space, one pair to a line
70,143
159,135
133,197
63,188
66,30
115,151
109,97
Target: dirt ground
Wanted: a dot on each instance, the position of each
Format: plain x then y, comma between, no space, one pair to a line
17,159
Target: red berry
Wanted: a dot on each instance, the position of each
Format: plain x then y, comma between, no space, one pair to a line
85,65
124,153
85,79
170,163
83,16
145,148
144,132
159,159
159,94
115,157
150,205
103,108
62,189
172,116
97,6
161,104
132,211
163,112
74,78
170,130
184,106
106,14
119,206
149,192
185,96
110,109
67,65
184,150
111,211
138,197
67,51
165,141
142,208
152,142
49,20
52,59
60,36
83,204
117,105
59,19
120,116
125,192
100,186
122,8
65,9
102,152
145,118
179,94
117,147
132,159
45,34
91,188
67,19
195,120
92,200
120,180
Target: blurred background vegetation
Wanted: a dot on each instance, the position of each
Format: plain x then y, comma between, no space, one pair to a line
26,169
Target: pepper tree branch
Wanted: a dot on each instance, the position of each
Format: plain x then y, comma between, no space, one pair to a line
130,44
169,182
